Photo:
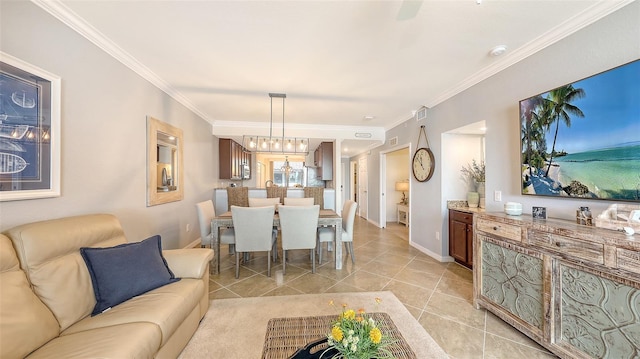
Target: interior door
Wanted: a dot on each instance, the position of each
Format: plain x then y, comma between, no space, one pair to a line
363,187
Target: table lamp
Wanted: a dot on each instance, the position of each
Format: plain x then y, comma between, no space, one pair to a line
403,186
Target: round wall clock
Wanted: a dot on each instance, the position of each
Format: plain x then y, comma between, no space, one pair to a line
423,164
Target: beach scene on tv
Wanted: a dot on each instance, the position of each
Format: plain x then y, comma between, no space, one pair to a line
583,139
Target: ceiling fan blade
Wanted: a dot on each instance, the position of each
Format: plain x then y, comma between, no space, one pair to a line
409,9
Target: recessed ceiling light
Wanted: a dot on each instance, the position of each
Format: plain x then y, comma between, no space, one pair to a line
498,50
368,118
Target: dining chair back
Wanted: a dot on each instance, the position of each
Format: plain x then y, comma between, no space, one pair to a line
294,201
317,193
206,212
277,192
327,234
299,225
237,196
262,202
254,232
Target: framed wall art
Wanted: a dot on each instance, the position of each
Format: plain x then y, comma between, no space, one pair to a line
29,131
582,140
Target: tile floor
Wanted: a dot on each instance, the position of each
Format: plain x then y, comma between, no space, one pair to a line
439,295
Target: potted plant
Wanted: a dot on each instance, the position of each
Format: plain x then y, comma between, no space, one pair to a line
474,175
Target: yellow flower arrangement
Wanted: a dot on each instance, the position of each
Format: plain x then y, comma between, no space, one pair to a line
357,336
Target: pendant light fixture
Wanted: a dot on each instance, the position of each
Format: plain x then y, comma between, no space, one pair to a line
276,144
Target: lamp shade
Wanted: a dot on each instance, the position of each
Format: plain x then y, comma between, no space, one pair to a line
402,186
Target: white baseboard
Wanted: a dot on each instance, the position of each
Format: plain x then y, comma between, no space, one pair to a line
194,244
431,254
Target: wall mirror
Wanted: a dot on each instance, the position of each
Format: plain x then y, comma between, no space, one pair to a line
164,163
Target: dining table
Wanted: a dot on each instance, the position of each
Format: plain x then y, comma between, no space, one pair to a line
327,218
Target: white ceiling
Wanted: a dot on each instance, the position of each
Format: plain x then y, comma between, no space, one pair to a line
337,61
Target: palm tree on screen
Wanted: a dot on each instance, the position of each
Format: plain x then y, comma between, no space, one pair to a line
562,108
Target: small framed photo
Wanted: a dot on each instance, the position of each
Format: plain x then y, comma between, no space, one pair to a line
539,212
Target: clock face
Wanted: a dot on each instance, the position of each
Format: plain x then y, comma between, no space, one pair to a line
423,164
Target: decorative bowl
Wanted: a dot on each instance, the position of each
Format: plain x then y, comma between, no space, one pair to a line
513,208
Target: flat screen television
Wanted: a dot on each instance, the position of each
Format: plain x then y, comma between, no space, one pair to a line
582,140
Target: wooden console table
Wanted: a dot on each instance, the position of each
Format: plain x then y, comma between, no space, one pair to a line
403,214
574,289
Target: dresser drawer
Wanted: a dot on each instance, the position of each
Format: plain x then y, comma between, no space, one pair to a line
509,231
461,216
568,247
628,260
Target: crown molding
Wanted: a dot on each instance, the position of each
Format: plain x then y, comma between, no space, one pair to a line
67,16
568,27
63,13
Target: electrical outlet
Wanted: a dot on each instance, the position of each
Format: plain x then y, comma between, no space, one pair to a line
437,236
188,227
497,196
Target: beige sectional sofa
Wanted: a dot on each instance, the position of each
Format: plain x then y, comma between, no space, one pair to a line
47,297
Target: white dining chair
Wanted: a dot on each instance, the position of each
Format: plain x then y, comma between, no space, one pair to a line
254,232
298,225
206,212
294,201
328,234
262,202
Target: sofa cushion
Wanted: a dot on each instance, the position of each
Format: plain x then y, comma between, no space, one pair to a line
167,307
130,340
25,322
49,253
122,272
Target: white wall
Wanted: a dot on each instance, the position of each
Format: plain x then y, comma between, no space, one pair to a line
104,109
610,42
458,151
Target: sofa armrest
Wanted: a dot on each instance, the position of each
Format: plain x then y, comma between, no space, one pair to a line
188,263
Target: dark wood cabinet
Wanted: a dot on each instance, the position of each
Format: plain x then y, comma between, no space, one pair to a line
234,160
461,237
323,160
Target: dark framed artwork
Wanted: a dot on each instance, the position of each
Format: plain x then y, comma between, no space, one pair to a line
29,131
582,140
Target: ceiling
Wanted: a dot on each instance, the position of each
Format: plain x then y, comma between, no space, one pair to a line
367,64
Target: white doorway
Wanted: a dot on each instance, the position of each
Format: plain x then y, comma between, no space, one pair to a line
395,167
363,188
353,182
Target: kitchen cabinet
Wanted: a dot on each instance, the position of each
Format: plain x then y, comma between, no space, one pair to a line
234,160
574,289
323,161
461,237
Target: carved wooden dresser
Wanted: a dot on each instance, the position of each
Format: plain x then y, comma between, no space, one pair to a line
572,288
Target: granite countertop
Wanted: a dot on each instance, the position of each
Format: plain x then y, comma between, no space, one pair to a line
461,205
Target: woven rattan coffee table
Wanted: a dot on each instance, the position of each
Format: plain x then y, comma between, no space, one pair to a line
286,335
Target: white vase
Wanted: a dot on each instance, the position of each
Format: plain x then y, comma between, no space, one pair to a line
473,198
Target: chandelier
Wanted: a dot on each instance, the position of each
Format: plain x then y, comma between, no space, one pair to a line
276,144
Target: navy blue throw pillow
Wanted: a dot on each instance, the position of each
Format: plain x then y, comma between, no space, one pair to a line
122,272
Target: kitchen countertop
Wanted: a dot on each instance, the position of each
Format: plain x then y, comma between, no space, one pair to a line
461,205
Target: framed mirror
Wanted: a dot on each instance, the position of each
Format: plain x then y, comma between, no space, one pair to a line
164,163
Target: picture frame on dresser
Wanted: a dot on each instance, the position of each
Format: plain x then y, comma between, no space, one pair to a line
539,213
29,130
